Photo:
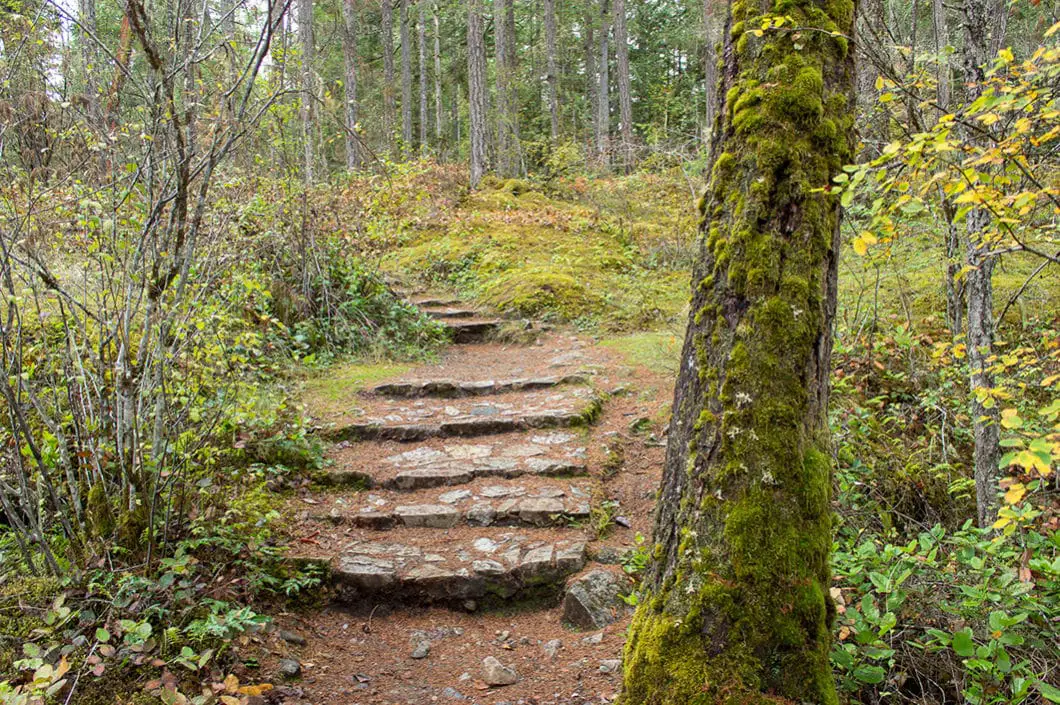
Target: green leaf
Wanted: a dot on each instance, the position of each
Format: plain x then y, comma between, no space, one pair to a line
1049,692
870,674
962,643
102,635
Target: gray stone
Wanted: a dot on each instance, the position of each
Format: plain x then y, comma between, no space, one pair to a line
452,694
597,638
570,557
292,637
496,673
498,491
454,496
610,665
422,650
551,648
482,514
365,572
430,477
484,544
592,601
430,516
290,668
489,568
540,511
536,562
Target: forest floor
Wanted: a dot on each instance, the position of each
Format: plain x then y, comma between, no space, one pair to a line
466,501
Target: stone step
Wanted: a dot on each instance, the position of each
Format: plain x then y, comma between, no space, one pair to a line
471,331
400,420
448,388
434,302
449,312
440,463
549,504
487,569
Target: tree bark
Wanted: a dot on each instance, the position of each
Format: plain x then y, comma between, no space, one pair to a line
552,76
590,72
305,39
871,42
476,88
711,31
977,52
735,606
389,109
90,61
437,77
603,99
506,159
421,41
625,100
349,45
406,82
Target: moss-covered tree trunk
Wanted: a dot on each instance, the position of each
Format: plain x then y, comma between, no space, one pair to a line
735,607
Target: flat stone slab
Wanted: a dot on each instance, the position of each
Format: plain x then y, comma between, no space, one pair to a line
493,505
471,331
450,312
498,568
409,420
448,388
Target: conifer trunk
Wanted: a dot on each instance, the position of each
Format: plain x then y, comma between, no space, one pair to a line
421,43
603,99
437,76
406,81
552,77
735,606
476,88
305,39
349,45
625,98
387,9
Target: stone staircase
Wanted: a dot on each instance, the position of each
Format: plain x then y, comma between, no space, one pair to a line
459,490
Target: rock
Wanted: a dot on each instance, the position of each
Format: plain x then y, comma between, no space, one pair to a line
484,544
496,673
422,650
430,516
452,694
454,496
540,511
292,637
592,601
481,514
593,639
551,648
290,668
610,665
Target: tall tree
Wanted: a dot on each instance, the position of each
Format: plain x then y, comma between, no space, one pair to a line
90,59
305,41
589,47
476,88
552,71
980,34
735,607
406,81
421,42
625,99
437,75
389,109
349,45
603,97
505,145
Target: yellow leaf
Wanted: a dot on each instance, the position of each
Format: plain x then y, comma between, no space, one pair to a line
988,118
1002,522
232,683
879,83
1010,418
1052,30
1015,493
1006,55
229,700
256,689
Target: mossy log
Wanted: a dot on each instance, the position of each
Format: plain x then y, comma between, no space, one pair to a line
735,607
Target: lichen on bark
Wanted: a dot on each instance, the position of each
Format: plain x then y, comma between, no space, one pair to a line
735,607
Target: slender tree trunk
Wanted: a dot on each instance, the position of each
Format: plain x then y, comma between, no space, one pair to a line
421,41
711,30
389,108
977,52
552,77
437,77
505,157
406,82
735,607
625,100
603,98
941,37
349,45
870,43
590,73
90,60
512,67
305,40
476,88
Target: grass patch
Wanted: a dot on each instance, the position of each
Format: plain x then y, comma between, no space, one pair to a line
658,351
331,391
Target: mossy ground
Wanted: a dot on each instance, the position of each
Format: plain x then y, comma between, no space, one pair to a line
334,392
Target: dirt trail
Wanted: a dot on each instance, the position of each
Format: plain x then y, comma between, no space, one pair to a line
459,524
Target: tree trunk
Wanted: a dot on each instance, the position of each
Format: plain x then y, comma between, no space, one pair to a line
711,32
421,41
590,72
941,35
406,82
505,156
871,42
552,77
305,39
476,88
625,100
437,77
90,61
388,75
735,606
349,45
603,99
977,52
